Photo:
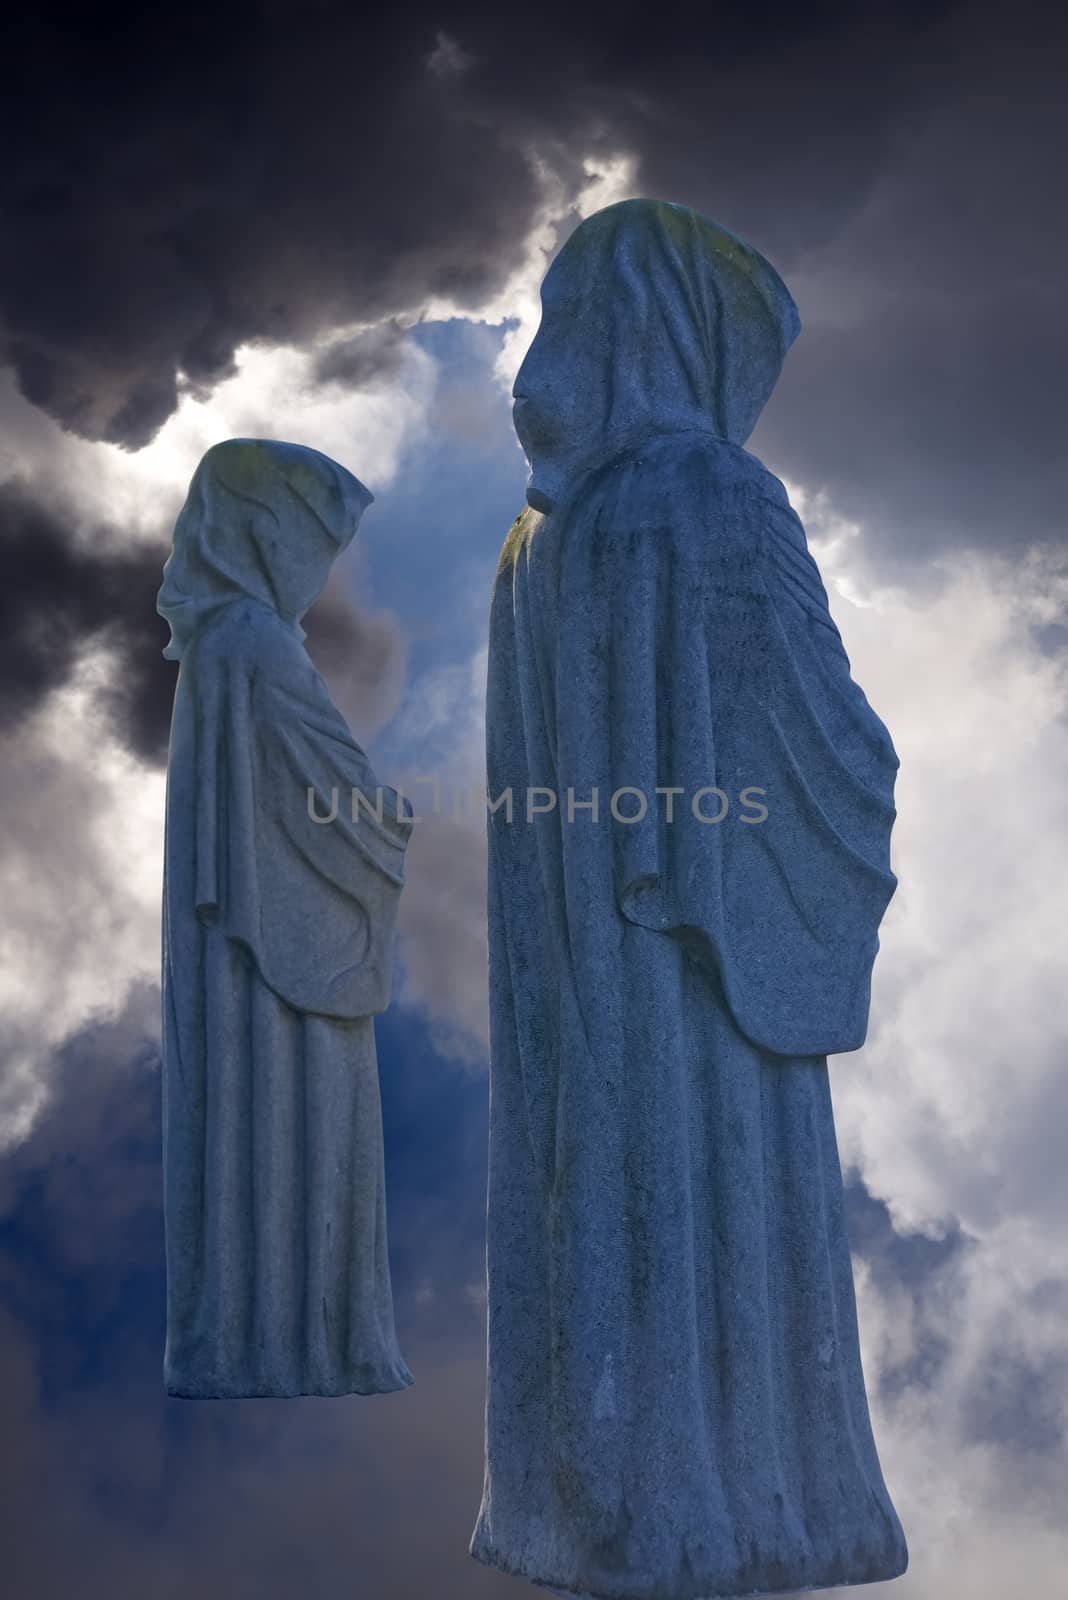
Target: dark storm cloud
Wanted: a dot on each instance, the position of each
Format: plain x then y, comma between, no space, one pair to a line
58,595
928,393
191,179
368,357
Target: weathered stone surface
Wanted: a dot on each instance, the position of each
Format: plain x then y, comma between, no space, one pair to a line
277,949
676,1405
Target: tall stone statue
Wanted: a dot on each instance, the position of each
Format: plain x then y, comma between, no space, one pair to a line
277,952
683,915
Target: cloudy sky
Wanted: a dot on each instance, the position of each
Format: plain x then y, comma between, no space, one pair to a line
289,221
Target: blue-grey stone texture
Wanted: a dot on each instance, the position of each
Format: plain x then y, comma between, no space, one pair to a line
676,1406
277,951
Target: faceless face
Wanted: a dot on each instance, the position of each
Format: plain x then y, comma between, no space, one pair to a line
551,390
653,319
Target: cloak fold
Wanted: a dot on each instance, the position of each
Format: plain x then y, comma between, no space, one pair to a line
722,670
314,903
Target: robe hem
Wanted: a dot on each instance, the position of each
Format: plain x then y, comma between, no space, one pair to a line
178,1390
490,1558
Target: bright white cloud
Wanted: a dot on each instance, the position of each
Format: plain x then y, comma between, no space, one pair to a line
80,879
956,1111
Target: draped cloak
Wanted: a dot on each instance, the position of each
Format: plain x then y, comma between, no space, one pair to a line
277,948
676,1406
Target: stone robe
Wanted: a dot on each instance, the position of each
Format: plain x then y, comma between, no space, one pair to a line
676,1406
277,950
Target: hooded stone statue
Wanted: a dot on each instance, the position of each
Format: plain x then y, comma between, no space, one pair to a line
684,905
277,952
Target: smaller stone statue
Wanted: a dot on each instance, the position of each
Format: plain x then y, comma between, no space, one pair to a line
277,948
